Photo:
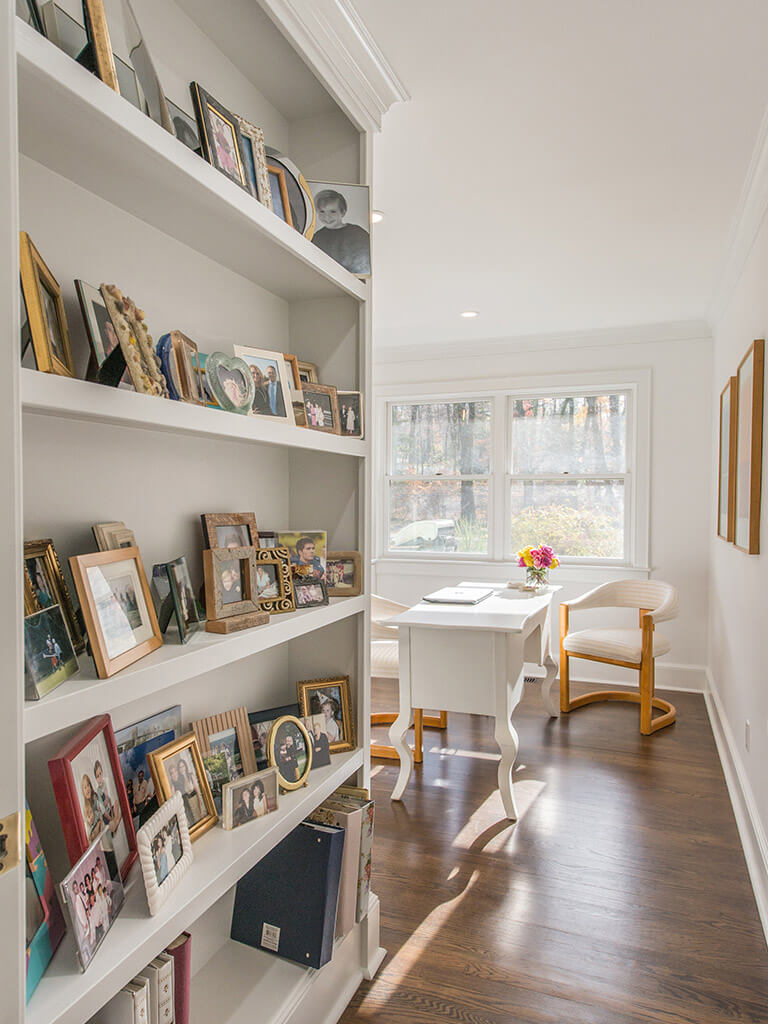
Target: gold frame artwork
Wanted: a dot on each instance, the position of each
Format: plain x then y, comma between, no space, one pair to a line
281,559
54,577
749,455
156,760
98,34
279,173
303,690
36,277
726,502
271,753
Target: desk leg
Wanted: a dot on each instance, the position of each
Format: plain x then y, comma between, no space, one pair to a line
508,671
551,704
402,723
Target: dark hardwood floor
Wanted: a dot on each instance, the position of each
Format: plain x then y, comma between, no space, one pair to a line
621,895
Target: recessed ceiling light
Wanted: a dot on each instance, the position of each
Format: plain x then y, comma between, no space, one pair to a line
376,216
469,313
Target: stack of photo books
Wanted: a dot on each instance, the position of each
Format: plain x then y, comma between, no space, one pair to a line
157,995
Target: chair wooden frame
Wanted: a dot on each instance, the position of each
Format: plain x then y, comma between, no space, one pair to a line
646,696
420,723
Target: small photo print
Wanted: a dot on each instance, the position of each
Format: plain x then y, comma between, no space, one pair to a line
138,778
182,778
340,574
232,581
269,398
121,609
350,413
166,849
344,224
261,723
236,535
251,798
321,746
99,804
224,142
310,594
40,583
327,702
49,657
307,550
266,580
318,409
94,897
291,753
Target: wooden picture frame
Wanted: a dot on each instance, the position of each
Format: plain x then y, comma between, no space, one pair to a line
232,816
294,364
98,36
749,448
355,399
726,490
113,536
165,769
44,553
220,600
342,589
307,372
236,719
315,695
282,600
314,408
158,886
256,167
214,121
123,594
278,190
86,804
309,592
244,526
45,311
281,728
190,369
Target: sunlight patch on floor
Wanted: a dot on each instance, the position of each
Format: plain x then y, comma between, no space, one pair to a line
453,752
527,792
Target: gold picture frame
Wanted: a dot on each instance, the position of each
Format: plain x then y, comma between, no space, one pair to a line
236,719
284,205
283,599
749,449
45,311
726,490
314,696
281,728
40,557
338,588
98,35
199,807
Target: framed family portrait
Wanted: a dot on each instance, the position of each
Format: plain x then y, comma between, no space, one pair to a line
230,529
190,369
113,536
330,698
91,798
250,798
134,744
309,592
93,897
230,381
230,582
165,851
344,224
344,573
317,728
321,408
289,749
261,723
45,312
749,449
178,768
272,387
307,549
49,657
44,585
255,160
274,583
350,413
220,138
726,490
117,606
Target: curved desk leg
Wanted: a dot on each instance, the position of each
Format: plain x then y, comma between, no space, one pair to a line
552,704
402,723
508,670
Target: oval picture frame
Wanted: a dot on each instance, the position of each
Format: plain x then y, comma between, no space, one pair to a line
272,757
304,220
230,364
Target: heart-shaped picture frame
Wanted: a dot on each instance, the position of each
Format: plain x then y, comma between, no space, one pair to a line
230,382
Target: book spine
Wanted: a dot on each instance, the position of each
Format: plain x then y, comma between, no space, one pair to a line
165,1011
182,964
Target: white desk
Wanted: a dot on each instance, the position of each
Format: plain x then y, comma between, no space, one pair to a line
470,658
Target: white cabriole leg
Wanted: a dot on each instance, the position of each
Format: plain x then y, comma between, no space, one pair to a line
508,683
552,704
402,723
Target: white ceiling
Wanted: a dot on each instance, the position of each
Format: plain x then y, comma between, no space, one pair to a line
563,165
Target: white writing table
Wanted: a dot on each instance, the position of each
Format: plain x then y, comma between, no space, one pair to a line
471,658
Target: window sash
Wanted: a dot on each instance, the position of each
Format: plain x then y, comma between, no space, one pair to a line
449,400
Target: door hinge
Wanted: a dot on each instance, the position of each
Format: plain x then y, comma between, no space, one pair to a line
10,843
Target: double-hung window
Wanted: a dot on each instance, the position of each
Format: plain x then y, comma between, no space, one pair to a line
439,476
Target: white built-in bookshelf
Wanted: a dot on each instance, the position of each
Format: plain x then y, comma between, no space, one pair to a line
108,196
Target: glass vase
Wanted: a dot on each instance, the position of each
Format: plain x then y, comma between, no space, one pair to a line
535,579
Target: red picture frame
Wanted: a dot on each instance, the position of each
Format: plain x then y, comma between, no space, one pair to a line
68,789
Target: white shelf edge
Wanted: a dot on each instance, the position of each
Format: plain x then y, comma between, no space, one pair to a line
65,996
71,87
85,695
47,394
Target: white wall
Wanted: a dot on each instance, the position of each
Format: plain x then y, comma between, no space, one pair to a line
680,484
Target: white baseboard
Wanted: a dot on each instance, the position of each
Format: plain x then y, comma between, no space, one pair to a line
751,832
669,676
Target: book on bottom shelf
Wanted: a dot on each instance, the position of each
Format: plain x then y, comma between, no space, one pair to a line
350,819
129,1006
181,951
286,904
159,975
362,798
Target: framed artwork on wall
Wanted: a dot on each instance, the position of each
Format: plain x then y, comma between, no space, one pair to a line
749,449
726,491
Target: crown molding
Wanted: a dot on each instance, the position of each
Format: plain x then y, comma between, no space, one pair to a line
642,334
747,221
338,47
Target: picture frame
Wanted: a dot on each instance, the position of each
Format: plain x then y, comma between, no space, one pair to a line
237,719
293,362
274,582
749,448
231,382
136,342
175,598
263,798
190,368
308,550
299,196
49,657
272,387
28,11
220,139
169,365
44,585
97,30
230,529
117,607
278,190
344,573
260,723
113,536
321,744
166,764
102,339
726,489
351,416
45,919
230,589
321,408
45,312
289,750
134,743
164,838
184,127
255,159
330,697
309,593
307,372
267,539
343,224
107,907
91,797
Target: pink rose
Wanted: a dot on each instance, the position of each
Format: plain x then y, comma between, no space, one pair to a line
521,561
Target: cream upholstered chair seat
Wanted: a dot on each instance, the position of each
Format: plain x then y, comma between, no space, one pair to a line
616,644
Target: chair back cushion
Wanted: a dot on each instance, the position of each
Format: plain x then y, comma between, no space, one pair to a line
654,595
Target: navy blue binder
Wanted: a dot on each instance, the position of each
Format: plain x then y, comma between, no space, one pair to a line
286,904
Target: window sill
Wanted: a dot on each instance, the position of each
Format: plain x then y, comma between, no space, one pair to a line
428,565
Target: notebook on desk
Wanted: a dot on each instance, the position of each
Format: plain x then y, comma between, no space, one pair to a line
459,595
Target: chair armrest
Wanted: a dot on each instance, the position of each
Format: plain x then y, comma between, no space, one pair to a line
596,598
667,610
